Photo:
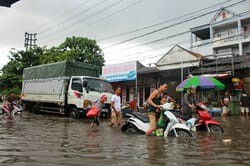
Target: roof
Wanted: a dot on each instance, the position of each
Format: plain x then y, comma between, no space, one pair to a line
224,64
228,14
7,3
196,55
147,70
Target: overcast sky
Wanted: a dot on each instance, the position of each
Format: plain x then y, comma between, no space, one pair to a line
54,20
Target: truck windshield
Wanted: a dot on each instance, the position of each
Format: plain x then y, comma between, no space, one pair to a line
99,85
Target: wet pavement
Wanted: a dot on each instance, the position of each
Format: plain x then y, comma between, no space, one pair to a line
41,140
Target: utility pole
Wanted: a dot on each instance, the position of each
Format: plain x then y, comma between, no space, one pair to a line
30,40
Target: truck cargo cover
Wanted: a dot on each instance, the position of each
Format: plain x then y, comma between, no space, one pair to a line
61,69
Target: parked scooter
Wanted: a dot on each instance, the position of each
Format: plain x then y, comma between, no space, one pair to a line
16,109
139,123
205,122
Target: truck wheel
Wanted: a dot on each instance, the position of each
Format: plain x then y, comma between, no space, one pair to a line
104,115
73,113
35,109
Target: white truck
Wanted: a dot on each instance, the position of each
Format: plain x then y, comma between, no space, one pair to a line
65,87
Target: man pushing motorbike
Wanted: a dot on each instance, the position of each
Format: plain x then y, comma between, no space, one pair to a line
189,103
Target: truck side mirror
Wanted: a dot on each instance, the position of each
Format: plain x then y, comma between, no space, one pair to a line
85,83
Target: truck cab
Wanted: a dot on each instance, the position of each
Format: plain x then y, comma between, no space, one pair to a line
83,91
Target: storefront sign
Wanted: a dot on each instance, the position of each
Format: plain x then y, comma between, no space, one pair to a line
120,72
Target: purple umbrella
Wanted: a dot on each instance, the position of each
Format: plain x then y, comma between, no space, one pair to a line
201,82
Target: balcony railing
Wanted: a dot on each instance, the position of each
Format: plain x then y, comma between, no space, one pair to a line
224,40
231,39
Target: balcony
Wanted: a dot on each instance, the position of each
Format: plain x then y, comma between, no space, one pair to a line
231,40
246,37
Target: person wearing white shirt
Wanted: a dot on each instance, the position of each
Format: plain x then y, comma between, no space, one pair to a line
116,115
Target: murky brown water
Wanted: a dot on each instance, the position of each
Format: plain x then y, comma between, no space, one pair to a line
41,140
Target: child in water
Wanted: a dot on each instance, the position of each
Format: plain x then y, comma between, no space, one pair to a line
99,103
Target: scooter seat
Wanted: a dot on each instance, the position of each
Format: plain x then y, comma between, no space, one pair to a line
141,116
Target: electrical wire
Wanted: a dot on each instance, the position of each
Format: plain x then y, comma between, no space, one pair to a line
199,45
169,26
65,34
171,36
39,28
160,23
101,19
94,14
72,17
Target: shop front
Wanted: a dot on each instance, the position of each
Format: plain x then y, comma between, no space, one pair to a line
135,87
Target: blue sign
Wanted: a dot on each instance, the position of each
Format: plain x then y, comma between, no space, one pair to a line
120,72
122,77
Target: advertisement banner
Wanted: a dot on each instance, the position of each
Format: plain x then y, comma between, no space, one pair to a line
120,72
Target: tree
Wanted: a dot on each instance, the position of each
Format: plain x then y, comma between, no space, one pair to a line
81,49
11,78
73,49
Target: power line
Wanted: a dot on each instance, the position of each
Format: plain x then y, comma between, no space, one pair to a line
94,14
169,26
66,12
165,38
158,40
114,13
73,17
156,49
175,35
203,44
105,17
160,23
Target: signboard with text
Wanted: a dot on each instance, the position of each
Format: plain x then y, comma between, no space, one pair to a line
120,72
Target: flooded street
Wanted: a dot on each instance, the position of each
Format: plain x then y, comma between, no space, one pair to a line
39,140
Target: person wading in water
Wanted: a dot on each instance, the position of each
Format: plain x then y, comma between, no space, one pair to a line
154,104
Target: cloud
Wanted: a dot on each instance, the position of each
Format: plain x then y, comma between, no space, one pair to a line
35,16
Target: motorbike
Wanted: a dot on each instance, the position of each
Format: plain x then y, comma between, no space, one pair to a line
16,109
138,123
204,122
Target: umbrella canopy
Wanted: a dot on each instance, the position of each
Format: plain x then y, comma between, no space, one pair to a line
201,82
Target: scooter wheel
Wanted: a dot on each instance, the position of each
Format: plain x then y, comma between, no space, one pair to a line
215,129
181,133
129,128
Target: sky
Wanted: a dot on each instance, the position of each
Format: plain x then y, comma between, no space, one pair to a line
116,25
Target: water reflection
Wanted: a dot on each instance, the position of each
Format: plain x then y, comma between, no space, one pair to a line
156,150
53,140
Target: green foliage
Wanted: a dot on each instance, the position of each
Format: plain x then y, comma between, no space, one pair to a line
15,90
73,48
83,50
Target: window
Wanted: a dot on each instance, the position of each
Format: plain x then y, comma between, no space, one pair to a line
99,85
76,84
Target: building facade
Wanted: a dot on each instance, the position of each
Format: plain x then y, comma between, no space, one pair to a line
226,34
221,48
225,41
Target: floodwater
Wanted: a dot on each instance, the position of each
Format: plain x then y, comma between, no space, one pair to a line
50,140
